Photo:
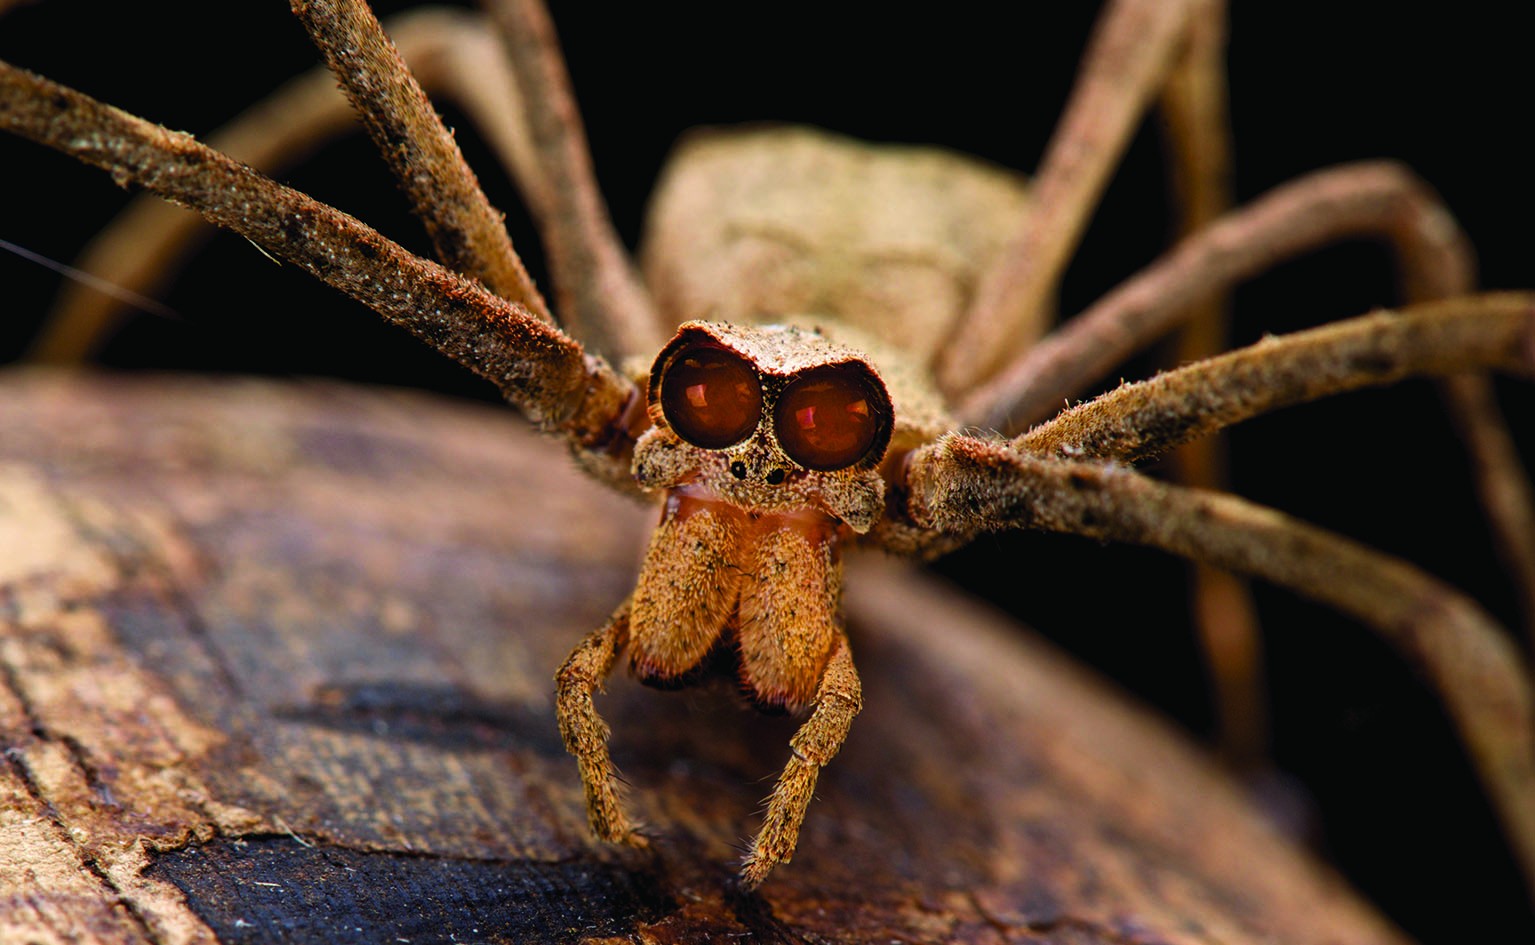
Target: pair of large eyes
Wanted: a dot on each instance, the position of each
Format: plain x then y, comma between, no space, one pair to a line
827,418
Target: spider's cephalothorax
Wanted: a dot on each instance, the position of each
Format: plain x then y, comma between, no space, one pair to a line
767,442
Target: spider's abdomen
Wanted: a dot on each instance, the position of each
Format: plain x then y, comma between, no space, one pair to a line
757,589
752,226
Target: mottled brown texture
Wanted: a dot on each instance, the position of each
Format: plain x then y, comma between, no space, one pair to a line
584,674
1377,200
790,616
686,592
276,664
741,578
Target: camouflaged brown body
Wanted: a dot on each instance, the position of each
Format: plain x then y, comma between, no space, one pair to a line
875,248
746,558
794,249
802,249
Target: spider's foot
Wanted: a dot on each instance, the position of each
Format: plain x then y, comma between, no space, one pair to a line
773,846
755,868
635,839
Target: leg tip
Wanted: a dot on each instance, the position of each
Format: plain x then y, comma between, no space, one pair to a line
635,840
755,868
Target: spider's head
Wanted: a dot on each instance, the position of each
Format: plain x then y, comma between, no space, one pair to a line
769,418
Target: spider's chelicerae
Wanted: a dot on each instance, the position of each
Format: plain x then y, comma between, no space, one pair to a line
735,423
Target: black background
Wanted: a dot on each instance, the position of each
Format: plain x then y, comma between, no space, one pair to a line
1445,89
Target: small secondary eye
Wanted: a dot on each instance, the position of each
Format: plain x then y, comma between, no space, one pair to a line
710,396
831,417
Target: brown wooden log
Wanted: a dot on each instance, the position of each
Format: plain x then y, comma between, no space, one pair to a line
275,666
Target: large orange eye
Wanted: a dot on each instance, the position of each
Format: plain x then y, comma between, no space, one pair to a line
711,396
832,417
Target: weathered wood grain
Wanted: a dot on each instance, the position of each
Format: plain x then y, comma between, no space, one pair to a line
275,666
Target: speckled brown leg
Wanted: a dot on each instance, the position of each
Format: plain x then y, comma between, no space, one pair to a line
585,734
837,701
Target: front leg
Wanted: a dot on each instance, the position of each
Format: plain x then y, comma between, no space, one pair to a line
586,735
837,700
538,368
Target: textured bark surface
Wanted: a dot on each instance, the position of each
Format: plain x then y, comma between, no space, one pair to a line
275,666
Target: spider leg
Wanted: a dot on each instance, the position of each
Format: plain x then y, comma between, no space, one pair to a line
1193,110
1375,199
602,300
465,229
838,698
1378,200
460,55
1501,484
965,485
1197,127
450,52
1129,55
586,735
1142,420
536,367
1197,131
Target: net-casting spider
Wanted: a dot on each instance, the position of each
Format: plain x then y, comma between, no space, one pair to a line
971,285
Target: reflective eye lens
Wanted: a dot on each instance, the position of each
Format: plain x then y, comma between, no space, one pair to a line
831,417
710,396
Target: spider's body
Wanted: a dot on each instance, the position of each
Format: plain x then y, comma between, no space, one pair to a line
817,245
746,556
804,241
